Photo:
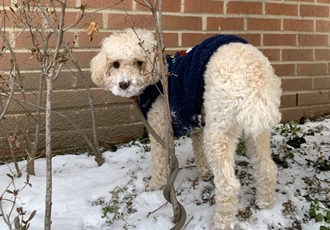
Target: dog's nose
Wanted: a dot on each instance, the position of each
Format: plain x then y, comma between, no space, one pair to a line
124,84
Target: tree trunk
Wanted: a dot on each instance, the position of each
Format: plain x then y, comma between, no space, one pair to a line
48,200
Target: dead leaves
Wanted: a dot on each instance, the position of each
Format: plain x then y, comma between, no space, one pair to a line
92,28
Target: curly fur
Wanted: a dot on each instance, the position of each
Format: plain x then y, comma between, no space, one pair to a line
241,99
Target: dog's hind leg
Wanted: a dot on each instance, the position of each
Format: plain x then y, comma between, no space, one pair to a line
203,170
219,147
156,120
265,170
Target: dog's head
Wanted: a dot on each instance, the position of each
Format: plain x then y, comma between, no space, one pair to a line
125,64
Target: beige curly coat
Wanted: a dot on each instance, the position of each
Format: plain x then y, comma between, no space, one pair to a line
241,99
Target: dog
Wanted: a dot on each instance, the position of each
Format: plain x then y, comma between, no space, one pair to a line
240,99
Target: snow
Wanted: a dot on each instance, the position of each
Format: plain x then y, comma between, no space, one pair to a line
81,189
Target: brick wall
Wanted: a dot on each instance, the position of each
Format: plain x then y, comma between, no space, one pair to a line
293,34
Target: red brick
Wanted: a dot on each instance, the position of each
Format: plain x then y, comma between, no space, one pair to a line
263,24
314,11
168,6
24,62
312,69
297,54
321,82
12,126
5,63
15,108
66,80
182,23
71,99
225,23
323,1
83,58
313,40
192,39
271,54
235,7
171,39
296,113
109,97
7,3
7,36
85,40
108,4
46,3
64,139
298,25
254,39
322,54
203,6
71,19
297,84
18,21
280,39
284,69
288,100
24,39
281,9
323,26
313,98
120,21
299,0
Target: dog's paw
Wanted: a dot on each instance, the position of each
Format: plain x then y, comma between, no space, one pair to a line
206,177
221,226
204,174
264,205
223,222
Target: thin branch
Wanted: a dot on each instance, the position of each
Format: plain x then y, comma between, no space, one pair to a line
103,8
83,14
16,69
144,3
75,125
96,148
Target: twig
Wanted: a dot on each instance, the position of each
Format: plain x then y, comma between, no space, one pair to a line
103,8
160,207
16,69
83,14
74,124
325,181
163,205
188,222
96,149
30,160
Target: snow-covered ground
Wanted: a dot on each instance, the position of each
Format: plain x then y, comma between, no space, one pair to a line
113,196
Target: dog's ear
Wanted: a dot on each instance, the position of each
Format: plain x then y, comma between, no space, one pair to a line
99,66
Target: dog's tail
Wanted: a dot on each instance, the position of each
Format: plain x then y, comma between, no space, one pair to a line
261,111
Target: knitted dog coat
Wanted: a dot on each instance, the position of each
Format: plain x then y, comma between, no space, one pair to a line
186,84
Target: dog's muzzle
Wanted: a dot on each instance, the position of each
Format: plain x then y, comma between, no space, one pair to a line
124,84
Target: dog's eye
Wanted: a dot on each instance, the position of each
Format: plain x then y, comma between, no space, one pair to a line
139,63
116,65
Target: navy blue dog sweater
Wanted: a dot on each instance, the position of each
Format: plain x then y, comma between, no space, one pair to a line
186,84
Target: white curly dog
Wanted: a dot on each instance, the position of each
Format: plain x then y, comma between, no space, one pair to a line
241,100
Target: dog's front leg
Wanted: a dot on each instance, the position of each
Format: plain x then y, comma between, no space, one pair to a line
220,145
156,120
203,168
